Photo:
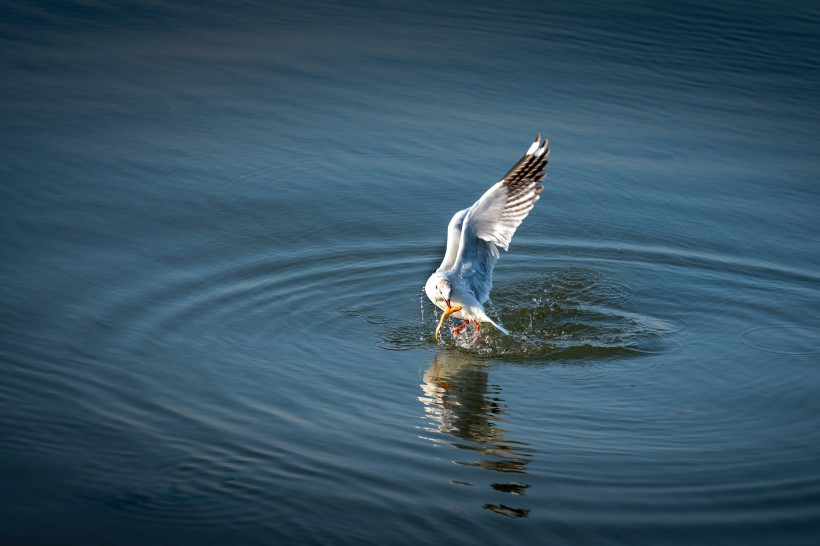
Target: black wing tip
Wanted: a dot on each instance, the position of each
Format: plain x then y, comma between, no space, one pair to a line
531,163
541,142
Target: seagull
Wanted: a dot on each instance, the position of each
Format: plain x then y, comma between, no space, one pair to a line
463,281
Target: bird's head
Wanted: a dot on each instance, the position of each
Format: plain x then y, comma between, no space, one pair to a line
443,290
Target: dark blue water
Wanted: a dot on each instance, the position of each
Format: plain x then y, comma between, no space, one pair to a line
216,224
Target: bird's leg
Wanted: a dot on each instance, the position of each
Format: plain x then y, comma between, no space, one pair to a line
477,327
447,313
460,328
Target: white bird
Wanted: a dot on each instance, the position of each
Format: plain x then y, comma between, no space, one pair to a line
463,281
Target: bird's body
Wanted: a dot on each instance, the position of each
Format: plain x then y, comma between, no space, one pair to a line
463,281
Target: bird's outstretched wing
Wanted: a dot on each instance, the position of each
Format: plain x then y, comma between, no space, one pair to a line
491,222
453,240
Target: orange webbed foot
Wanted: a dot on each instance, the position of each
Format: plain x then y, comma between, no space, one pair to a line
460,328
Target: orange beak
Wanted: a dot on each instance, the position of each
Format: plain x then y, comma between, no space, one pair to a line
446,314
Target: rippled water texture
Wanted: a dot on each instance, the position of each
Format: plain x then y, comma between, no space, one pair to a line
217,222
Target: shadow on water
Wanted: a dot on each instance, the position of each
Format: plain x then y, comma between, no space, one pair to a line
565,314
466,411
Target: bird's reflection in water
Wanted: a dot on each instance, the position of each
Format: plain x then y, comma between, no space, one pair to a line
462,405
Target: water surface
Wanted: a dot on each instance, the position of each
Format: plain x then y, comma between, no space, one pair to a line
217,223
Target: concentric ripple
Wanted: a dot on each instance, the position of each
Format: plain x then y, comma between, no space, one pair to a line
783,339
582,310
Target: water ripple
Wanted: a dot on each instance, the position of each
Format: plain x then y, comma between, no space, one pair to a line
785,339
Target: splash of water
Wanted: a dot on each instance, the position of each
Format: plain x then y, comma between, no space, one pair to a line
568,313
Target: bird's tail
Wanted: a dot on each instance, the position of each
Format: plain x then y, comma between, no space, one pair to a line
501,328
